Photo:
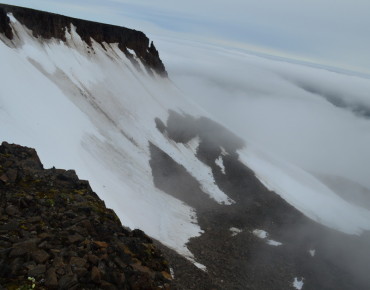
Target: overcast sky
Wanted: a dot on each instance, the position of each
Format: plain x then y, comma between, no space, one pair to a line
328,32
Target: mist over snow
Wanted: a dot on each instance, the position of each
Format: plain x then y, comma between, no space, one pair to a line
286,109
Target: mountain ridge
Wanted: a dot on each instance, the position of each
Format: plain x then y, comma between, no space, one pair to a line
50,25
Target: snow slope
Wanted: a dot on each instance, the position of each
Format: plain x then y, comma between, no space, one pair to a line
91,110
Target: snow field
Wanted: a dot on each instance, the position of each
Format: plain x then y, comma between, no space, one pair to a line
90,109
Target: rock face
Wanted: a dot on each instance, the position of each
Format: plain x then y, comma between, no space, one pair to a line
56,233
49,25
4,24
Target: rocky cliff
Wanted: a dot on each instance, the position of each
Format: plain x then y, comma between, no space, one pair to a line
50,25
55,233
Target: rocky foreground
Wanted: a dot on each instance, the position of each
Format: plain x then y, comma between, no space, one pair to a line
55,233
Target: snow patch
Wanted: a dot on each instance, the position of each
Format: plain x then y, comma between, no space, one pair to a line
298,283
264,235
12,18
220,162
312,252
131,51
200,266
260,234
193,144
223,151
185,154
273,243
235,231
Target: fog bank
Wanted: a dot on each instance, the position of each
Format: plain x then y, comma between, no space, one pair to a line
313,118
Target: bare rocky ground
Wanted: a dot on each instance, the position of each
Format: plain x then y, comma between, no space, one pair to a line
55,233
243,260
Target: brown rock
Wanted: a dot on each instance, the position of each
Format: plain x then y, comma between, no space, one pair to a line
4,178
119,262
15,266
101,244
34,219
141,282
67,282
75,238
11,226
30,244
80,272
17,252
60,271
78,262
119,278
139,267
45,245
93,259
12,175
40,256
68,253
167,275
12,210
37,271
58,262
51,279
87,225
42,236
19,249
79,230
104,257
95,275
107,286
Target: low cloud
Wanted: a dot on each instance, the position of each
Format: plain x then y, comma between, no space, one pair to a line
286,109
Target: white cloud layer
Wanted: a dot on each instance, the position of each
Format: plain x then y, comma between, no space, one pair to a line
263,101
329,32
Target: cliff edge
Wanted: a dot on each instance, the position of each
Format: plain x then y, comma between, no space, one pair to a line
49,25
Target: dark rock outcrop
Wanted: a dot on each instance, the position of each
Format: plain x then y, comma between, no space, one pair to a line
49,25
4,24
56,233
